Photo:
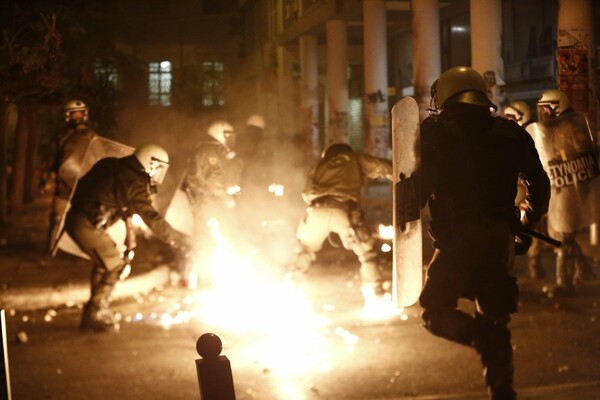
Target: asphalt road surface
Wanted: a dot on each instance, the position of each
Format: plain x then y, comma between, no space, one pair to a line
308,341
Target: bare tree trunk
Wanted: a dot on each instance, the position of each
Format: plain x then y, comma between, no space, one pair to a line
4,105
19,160
31,178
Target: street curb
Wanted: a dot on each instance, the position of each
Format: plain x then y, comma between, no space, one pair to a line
48,297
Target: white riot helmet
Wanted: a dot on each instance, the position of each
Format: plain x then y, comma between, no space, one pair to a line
335,149
518,111
552,104
155,161
73,106
256,120
223,132
461,85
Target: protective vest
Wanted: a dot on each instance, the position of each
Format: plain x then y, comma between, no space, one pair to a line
342,176
471,162
205,175
116,188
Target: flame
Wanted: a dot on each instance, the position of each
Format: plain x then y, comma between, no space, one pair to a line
386,231
276,189
233,190
287,334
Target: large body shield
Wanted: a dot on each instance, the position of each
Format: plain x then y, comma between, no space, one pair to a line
567,152
179,212
408,240
97,149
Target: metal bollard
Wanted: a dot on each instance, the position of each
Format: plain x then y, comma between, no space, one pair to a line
214,370
5,384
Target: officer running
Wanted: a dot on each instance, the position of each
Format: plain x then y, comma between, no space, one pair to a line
470,164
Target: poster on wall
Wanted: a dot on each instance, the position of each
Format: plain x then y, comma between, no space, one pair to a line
573,77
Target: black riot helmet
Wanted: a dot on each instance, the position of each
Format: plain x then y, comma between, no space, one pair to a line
461,85
334,149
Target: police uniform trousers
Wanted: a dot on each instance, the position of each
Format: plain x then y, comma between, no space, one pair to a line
106,258
200,272
59,206
319,222
474,262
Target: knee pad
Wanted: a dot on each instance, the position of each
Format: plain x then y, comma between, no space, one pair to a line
453,325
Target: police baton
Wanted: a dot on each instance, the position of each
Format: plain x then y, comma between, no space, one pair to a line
530,232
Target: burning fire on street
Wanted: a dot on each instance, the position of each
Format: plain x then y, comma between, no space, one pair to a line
245,296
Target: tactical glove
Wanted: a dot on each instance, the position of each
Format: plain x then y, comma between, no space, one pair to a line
522,244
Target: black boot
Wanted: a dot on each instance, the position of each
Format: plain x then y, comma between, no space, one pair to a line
564,275
584,271
96,316
98,319
493,343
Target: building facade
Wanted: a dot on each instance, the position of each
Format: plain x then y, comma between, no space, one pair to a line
329,70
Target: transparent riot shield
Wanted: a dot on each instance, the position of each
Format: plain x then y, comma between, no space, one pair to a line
97,149
179,213
408,240
566,148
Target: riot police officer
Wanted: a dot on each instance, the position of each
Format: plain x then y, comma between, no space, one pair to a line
518,111
115,188
255,155
72,144
470,163
564,138
332,192
205,183
206,169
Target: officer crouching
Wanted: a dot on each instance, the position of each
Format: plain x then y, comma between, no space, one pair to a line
332,192
115,188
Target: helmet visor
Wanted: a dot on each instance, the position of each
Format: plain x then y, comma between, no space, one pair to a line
548,110
514,114
473,97
158,170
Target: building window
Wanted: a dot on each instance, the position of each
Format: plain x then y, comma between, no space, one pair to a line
106,73
213,76
159,83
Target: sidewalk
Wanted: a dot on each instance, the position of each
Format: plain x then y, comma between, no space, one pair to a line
30,280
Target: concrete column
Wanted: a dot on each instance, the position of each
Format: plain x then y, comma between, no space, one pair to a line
337,82
486,46
377,126
425,50
577,56
285,87
309,91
